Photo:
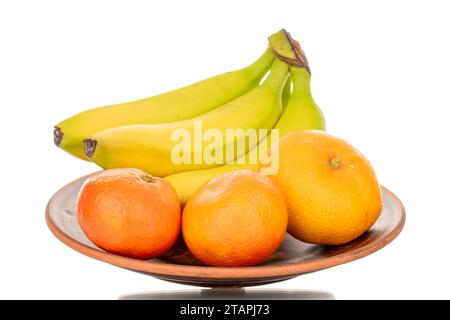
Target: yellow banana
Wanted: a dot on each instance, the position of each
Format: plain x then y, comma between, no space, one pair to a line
175,105
150,147
300,113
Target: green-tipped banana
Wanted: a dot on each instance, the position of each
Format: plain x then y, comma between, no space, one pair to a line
183,103
150,147
301,113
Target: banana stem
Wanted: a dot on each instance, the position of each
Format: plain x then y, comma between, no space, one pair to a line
286,95
262,64
278,73
301,79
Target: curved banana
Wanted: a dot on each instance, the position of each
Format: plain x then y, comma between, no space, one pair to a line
300,113
175,105
150,147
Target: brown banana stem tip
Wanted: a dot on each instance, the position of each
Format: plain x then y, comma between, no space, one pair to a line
299,60
299,54
89,147
57,136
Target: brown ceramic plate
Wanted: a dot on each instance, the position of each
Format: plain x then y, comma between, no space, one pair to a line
293,258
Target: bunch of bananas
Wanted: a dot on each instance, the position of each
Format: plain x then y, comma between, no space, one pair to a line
272,92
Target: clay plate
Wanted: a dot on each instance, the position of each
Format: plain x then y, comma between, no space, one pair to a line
292,259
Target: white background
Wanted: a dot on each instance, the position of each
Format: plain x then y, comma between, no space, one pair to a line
381,74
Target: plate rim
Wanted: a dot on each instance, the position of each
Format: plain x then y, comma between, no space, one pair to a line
224,273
